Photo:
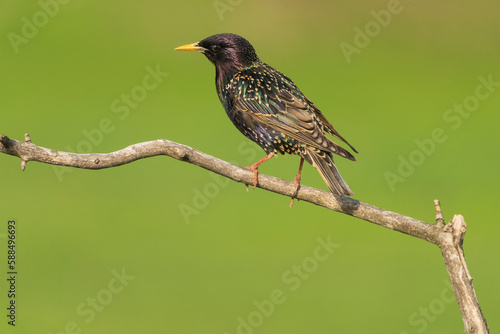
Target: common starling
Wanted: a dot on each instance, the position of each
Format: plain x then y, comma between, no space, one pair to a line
269,109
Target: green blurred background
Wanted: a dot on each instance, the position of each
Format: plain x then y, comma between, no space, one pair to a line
211,271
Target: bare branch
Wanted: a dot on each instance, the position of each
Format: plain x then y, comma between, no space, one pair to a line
448,237
28,151
450,243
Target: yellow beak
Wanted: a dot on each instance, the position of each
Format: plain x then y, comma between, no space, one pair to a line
190,47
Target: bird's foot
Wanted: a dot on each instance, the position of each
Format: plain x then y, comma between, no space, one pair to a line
296,182
255,169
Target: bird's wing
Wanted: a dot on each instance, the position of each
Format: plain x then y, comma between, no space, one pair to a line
329,128
275,102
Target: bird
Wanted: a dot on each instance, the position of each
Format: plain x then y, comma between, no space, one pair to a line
268,108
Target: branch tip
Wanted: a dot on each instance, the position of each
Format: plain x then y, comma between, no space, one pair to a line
27,138
439,213
23,164
459,227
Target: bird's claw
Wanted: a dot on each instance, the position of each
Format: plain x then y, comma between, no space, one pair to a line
296,182
255,172
295,193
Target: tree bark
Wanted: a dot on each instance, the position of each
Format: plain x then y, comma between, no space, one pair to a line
449,238
450,243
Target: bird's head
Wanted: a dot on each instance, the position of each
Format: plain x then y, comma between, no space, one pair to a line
228,52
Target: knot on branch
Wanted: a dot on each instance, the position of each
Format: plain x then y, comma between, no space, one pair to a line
457,227
184,156
5,141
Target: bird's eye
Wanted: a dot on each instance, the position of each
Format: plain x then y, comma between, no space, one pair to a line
215,48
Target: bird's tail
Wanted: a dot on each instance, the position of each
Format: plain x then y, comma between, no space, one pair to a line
323,162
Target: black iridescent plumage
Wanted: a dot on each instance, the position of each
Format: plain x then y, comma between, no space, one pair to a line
268,108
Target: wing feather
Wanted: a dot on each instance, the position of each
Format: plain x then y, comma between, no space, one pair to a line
286,109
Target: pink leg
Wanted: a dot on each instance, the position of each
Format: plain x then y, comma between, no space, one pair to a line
296,181
255,168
